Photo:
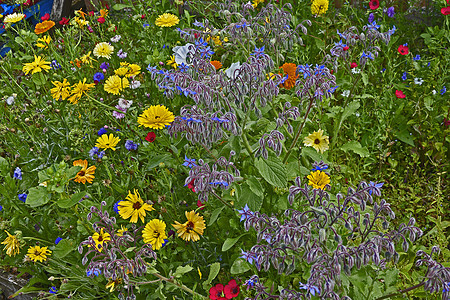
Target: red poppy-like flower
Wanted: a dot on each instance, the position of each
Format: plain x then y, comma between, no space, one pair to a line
346,48
216,292
445,10
143,17
101,20
399,94
191,186
91,13
200,204
151,136
231,290
45,17
403,50
374,4
353,65
64,21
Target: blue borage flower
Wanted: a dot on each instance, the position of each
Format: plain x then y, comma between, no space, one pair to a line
245,213
242,25
333,89
318,168
1,208
23,197
55,65
95,272
374,185
198,24
53,290
17,174
310,288
443,91
373,26
367,55
185,91
58,239
189,162
183,67
248,256
191,120
258,52
219,183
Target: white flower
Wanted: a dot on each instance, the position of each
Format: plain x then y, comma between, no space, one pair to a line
356,71
434,92
357,114
231,71
181,53
135,84
418,81
10,99
346,93
116,38
125,104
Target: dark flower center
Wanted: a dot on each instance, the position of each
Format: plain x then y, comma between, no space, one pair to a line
81,173
156,234
137,205
100,238
316,141
189,227
156,117
235,290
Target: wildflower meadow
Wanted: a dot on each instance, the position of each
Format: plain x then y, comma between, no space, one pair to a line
192,149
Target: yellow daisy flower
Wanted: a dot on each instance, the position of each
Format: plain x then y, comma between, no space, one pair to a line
61,90
103,49
86,59
318,179
121,231
13,18
122,71
319,7
112,284
85,174
12,244
171,62
107,142
156,117
36,66
78,90
167,20
101,238
317,140
36,253
44,42
134,207
114,84
154,233
191,229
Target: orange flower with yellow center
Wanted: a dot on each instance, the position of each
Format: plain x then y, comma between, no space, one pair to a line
217,64
85,174
290,70
43,26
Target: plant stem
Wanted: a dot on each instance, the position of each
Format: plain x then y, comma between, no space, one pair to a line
402,291
181,286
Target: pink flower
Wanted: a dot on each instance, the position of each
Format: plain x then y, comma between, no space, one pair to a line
374,4
45,17
399,94
353,65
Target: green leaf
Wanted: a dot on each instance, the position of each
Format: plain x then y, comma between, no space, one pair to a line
38,196
120,6
156,160
4,167
351,108
272,170
63,248
213,272
365,78
229,242
405,137
247,196
69,202
357,148
239,266
182,270
215,214
255,186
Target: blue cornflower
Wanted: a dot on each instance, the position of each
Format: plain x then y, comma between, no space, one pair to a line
145,25
55,65
58,239
198,24
248,256
417,57
102,131
17,173
258,52
1,208
116,206
189,162
95,272
130,145
390,12
429,63
183,67
383,70
23,197
53,290
333,89
373,185
104,66
404,76
94,152
373,26
99,76
245,213
443,91
310,288
367,55
371,18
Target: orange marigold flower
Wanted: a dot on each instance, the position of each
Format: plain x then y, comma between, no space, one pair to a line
217,64
290,70
43,27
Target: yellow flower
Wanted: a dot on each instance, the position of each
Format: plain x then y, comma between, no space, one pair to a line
85,174
134,207
122,71
154,233
112,284
318,179
37,253
86,59
101,238
319,7
132,69
317,140
103,49
78,90
121,231
156,117
114,84
167,20
78,21
107,142
13,18
44,26
171,62
36,66
45,42
256,2
191,229
12,244
61,90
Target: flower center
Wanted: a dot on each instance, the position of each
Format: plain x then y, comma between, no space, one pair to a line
189,227
81,173
156,117
156,234
137,205
100,238
317,141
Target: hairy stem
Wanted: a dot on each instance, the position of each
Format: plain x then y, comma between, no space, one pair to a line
402,291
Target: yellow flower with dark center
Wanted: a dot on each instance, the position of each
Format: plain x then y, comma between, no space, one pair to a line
318,179
317,140
12,244
191,229
114,84
167,20
103,49
100,238
37,253
156,117
44,42
44,26
107,142
134,207
78,90
121,231
61,90
171,62
13,18
112,284
36,66
85,174
154,233
319,7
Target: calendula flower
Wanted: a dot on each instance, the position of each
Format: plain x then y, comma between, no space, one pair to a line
78,90
132,69
122,71
12,244
171,62
191,229
319,7
107,142
36,66
13,18
134,207
37,253
43,42
317,140
156,117
43,26
289,69
61,90
318,179
85,174
100,238
103,49
154,233
114,84
217,64
167,20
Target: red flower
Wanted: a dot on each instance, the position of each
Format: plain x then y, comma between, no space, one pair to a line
151,136
91,13
143,17
200,204
353,65
216,292
446,122
445,10
101,20
374,4
191,186
399,94
231,289
45,17
64,21
403,50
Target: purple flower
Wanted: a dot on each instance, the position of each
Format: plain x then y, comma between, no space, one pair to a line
443,91
99,76
390,12
58,239
130,145
417,57
248,256
245,213
1,208
121,54
94,152
310,288
104,66
17,173
102,131
404,76
119,114
371,17
23,197
258,52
